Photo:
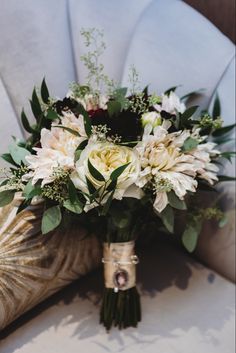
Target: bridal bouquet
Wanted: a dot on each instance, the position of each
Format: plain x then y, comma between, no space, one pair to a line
118,160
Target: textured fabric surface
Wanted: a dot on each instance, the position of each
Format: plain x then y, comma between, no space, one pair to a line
186,307
33,266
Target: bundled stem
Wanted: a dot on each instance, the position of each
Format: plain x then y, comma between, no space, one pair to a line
121,309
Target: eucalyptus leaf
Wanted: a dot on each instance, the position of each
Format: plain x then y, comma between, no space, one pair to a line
51,219
18,153
176,202
167,216
224,220
6,197
190,238
75,206
28,189
189,144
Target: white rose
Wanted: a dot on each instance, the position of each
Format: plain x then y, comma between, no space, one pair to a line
107,157
152,118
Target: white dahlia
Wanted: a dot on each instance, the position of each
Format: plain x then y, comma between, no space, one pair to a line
165,165
57,149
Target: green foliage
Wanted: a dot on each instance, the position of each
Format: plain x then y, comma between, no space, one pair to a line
216,108
44,92
186,116
18,153
167,217
6,197
51,219
94,172
175,202
118,171
52,114
73,206
224,130
114,108
189,144
190,235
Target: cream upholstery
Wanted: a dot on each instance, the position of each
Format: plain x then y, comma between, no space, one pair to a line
170,44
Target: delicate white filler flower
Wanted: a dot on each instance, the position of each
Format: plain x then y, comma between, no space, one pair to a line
170,104
164,164
57,149
106,157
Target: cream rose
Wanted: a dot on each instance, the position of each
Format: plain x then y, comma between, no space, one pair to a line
107,157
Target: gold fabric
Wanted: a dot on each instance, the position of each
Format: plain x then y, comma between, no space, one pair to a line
34,266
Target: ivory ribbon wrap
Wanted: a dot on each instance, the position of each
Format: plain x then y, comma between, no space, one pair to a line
34,266
119,265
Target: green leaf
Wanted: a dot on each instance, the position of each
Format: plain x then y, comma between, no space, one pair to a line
167,216
225,178
216,108
28,189
51,114
223,130
35,105
72,191
44,92
118,171
188,114
25,123
223,221
8,158
190,238
51,219
120,91
94,172
228,155
31,190
75,207
113,107
91,187
6,197
112,185
73,132
192,94
176,202
189,144
18,153
172,89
